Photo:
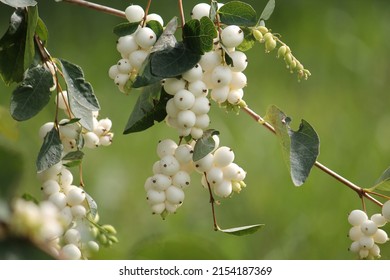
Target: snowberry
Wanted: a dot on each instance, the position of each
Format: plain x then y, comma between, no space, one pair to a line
78,211
175,195
72,236
160,181
232,36
124,66
205,163
121,79
366,242
91,140
70,131
59,199
194,74
173,85
235,96
169,165
220,94
380,236
155,196
62,100
186,119
106,140
355,247
223,189
184,99
378,219
137,58
171,108
238,80
113,71
170,207
44,129
145,37
355,233
66,177
66,215
201,105
368,227
375,251
126,45
181,179
357,217
75,196
198,88
158,208
155,17
183,153
386,210
134,13
70,252
202,121
50,187
214,175
200,10
221,76
210,60
166,147
196,132
240,61
364,253
223,156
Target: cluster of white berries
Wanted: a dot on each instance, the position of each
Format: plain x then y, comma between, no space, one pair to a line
134,48
188,110
165,189
366,233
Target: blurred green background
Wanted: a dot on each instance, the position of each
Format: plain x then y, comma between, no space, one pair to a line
345,45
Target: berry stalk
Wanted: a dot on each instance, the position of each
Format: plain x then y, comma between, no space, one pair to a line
97,7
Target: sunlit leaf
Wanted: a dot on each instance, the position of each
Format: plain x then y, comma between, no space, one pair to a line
383,182
198,35
238,13
204,145
125,28
268,10
240,231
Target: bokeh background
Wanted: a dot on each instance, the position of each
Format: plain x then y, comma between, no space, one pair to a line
345,45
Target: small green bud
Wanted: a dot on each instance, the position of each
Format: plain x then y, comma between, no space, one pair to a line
258,35
94,231
270,45
263,29
236,187
102,239
113,239
288,58
242,183
282,51
268,36
293,64
109,229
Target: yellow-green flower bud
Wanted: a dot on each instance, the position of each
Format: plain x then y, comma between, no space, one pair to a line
102,239
288,58
263,29
113,239
258,35
109,229
270,44
282,51
268,36
236,187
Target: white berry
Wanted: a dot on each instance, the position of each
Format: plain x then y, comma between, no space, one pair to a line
200,10
134,13
357,217
232,36
175,195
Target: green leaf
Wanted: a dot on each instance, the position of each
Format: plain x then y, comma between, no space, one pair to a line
19,3
82,99
238,13
156,27
150,107
213,10
249,40
198,35
383,182
92,205
75,155
240,231
50,152
12,46
73,163
125,28
172,62
144,78
204,145
268,10
29,51
30,197
41,31
11,170
32,95
300,148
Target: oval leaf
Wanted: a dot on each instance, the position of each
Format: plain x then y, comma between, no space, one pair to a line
198,35
150,107
249,40
32,95
383,182
238,13
300,148
268,10
240,231
51,151
125,28
204,145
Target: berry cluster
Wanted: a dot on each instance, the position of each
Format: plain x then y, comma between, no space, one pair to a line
134,48
366,233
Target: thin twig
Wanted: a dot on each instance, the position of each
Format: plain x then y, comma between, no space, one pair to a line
97,7
360,191
212,202
181,10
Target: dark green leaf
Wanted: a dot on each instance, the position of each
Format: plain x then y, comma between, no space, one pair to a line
238,13
12,46
74,120
204,145
19,3
92,205
300,148
156,27
268,10
240,231
249,40
125,28
41,31
30,197
29,51
21,249
383,182
173,62
150,107
198,35
75,155
144,78
51,151
82,99
73,163
11,170
32,95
